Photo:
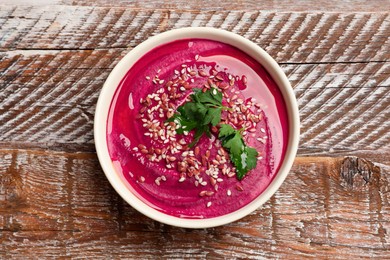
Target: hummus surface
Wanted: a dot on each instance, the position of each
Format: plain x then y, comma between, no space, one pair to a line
146,150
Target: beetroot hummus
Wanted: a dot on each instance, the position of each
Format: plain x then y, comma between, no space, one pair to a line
158,163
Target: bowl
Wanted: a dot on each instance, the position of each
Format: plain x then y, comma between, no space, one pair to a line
117,179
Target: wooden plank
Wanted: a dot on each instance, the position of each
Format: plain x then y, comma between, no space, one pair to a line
54,58
290,5
48,100
61,205
289,37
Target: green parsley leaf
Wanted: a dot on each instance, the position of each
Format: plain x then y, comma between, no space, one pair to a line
211,97
213,116
225,131
198,134
252,157
203,110
235,144
242,156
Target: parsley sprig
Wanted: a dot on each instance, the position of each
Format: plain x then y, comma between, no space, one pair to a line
204,109
243,157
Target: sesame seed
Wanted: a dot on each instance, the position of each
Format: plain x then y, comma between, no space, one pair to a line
261,140
209,193
208,204
262,130
244,80
239,187
197,57
182,179
229,192
219,77
147,77
231,174
157,181
202,193
203,73
141,179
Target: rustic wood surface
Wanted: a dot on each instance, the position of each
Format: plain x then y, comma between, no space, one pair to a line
55,201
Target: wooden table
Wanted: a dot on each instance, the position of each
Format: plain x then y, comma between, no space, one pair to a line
55,201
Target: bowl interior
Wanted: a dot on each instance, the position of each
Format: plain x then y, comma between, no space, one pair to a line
117,179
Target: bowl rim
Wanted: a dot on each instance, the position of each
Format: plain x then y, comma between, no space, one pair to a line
118,73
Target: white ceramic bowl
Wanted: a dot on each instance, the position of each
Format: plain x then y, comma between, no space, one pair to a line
117,74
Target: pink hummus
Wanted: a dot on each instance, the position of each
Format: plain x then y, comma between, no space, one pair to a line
161,170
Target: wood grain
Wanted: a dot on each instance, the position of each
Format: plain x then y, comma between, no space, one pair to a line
218,5
53,73
288,37
55,201
342,107
61,204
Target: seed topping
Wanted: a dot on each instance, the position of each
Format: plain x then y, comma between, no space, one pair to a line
208,165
